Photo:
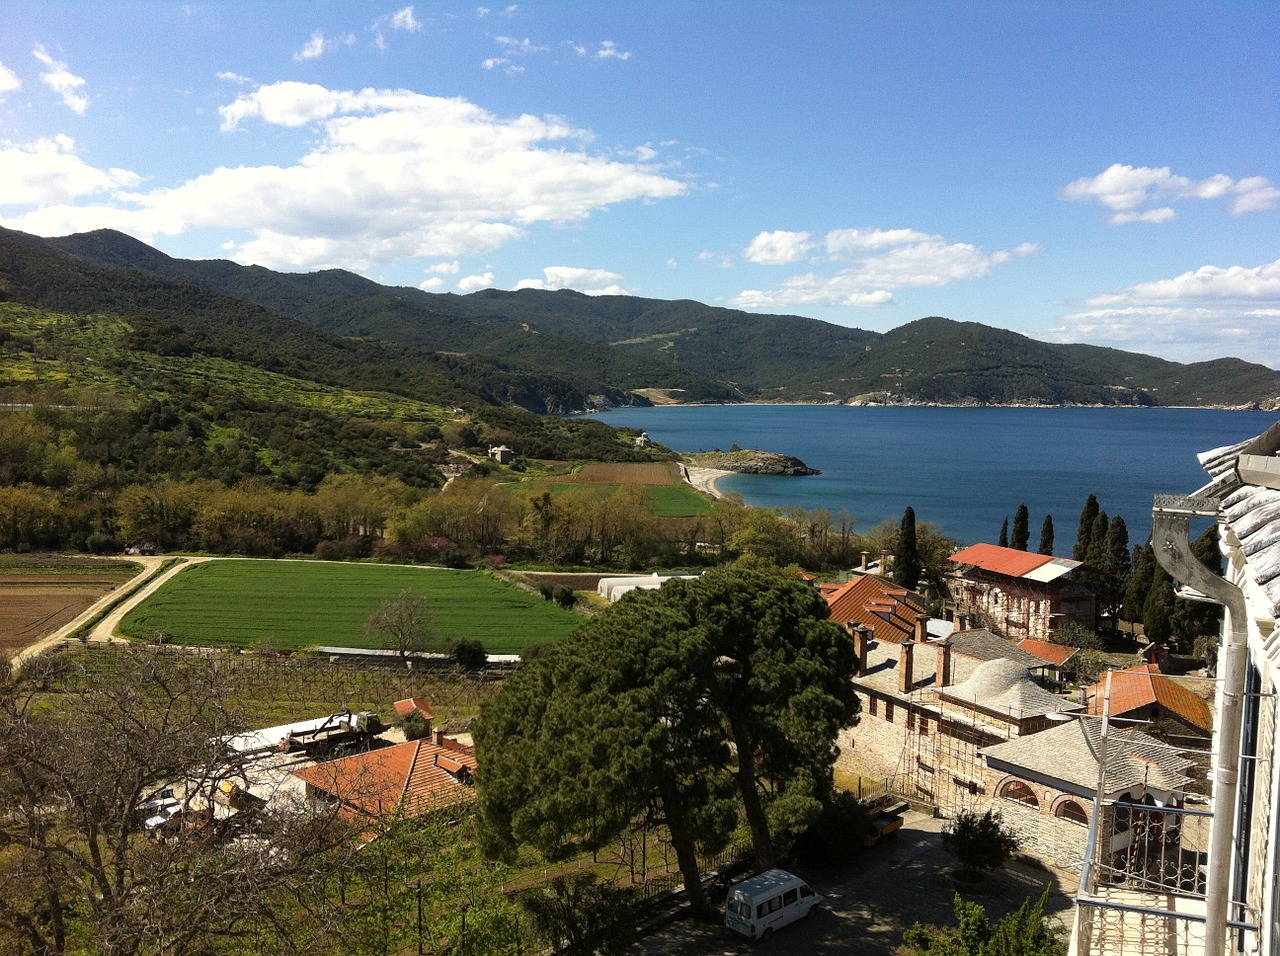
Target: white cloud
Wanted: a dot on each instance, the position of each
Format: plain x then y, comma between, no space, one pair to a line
8,81
233,77
445,268
1182,333
840,241
609,51
405,20
314,48
522,47
1130,189
426,285
912,259
1208,283
388,175
587,281
49,171
474,283
62,81
778,248
1207,313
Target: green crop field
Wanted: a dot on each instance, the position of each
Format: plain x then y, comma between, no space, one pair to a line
297,604
664,501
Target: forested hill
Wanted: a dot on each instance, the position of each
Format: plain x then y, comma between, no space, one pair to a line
561,350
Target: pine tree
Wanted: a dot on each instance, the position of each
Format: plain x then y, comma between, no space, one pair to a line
1046,535
907,566
1004,533
1021,528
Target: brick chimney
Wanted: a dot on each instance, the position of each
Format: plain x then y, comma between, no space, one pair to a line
962,621
922,628
905,677
944,663
866,558
861,641
439,738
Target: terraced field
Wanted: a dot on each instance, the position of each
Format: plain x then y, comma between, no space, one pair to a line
298,604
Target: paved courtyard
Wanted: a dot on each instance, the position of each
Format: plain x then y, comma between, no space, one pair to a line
869,903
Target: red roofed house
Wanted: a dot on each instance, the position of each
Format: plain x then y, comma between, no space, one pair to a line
407,779
1177,714
1056,656
1017,593
892,612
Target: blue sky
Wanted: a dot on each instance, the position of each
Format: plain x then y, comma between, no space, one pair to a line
1079,172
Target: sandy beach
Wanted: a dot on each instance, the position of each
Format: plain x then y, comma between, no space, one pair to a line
706,480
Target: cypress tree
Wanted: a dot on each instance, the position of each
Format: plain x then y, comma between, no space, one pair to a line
907,566
1096,554
1004,533
1085,532
1046,535
1157,610
1139,586
1021,528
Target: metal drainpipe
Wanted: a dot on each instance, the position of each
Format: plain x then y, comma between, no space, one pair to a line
1170,535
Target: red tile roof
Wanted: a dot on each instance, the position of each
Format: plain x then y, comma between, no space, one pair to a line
1009,561
1144,685
410,704
408,778
1055,654
879,604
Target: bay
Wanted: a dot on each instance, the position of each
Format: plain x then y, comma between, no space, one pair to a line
964,469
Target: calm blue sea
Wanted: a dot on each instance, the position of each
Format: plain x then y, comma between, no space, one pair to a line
964,469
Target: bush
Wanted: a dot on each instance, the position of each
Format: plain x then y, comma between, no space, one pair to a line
979,842
470,653
415,726
581,914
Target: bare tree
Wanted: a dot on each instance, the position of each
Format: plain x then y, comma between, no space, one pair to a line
83,755
402,624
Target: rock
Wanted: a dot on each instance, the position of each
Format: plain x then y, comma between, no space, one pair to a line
752,462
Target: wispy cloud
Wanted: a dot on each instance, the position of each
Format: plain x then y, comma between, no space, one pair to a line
875,261
587,281
608,50
59,78
8,81
405,20
388,175
1188,316
1143,193
314,48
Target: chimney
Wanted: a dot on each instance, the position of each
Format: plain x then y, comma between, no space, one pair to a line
861,639
962,621
904,667
866,558
922,628
439,738
944,663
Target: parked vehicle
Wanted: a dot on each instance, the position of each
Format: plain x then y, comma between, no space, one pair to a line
775,898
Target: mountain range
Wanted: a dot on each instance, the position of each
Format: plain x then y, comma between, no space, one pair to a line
561,351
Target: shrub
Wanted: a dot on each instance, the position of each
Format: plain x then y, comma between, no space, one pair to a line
979,842
470,653
838,833
415,726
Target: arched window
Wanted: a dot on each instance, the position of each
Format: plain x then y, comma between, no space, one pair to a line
1018,791
1070,810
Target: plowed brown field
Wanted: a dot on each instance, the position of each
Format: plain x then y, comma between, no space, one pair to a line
33,605
621,473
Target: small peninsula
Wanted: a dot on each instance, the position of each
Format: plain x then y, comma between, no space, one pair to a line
751,462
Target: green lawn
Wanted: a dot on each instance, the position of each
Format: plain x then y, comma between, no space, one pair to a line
296,604
665,501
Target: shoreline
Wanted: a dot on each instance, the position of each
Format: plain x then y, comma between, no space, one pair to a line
706,480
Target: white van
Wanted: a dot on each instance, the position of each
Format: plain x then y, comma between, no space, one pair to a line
758,906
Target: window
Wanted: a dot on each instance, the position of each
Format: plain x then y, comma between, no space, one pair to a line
805,892
888,711
1070,810
1019,792
873,706
911,719
924,726
790,897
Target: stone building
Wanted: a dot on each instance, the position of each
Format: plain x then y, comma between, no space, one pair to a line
1018,594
